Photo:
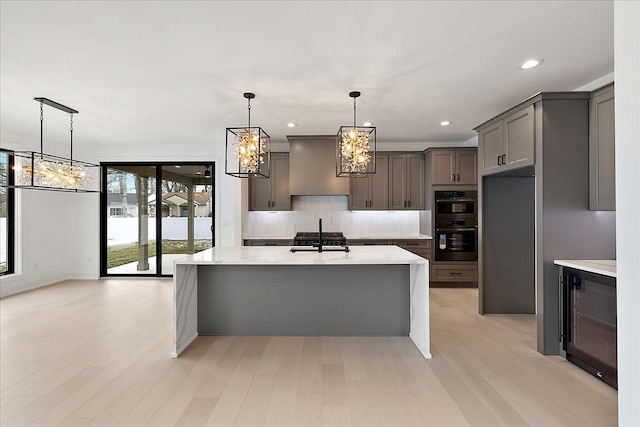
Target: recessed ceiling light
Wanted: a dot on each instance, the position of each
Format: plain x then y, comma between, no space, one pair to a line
445,123
178,166
198,173
291,125
367,124
530,63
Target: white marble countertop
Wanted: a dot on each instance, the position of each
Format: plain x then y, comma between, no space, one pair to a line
606,267
351,237
260,255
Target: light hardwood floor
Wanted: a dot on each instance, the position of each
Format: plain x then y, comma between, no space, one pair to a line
97,353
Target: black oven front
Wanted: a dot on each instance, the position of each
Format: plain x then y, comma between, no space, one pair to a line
456,239
459,203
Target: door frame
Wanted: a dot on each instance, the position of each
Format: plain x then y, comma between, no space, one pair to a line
104,166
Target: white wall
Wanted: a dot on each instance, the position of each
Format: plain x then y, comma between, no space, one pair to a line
49,239
627,104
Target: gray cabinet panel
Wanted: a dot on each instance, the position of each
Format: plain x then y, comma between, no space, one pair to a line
371,191
519,139
490,147
442,166
281,196
509,143
454,166
415,182
379,184
406,181
602,184
359,193
466,167
272,194
260,194
397,181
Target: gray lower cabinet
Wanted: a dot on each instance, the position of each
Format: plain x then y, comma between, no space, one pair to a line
602,174
508,143
272,194
371,192
406,181
453,166
454,272
268,242
420,247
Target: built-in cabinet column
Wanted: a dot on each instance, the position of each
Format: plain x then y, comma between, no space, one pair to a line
534,207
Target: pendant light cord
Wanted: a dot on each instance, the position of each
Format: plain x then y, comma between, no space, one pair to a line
354,112
71,141
249,108
41,129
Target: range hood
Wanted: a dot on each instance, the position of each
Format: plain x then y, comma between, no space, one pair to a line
312,167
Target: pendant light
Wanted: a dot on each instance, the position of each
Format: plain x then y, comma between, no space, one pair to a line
41,171
356,148
248,149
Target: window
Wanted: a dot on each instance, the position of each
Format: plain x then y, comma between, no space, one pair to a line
115,211
7,214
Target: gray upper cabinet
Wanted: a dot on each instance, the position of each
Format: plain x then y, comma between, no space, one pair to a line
602,184
509,143
372,191
406,181
272,194
456,166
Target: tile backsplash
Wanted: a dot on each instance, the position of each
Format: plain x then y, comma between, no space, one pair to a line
335,217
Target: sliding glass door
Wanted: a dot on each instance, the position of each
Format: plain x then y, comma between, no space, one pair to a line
153,214
187,214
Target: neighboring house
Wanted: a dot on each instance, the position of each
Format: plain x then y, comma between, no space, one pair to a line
175,204
120,207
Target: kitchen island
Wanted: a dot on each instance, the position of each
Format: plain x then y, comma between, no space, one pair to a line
368,291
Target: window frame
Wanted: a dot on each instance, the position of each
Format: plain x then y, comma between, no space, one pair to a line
11,216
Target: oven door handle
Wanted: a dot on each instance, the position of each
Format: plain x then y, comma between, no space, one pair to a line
456,200
456,229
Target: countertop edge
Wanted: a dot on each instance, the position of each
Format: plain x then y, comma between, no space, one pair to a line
603,267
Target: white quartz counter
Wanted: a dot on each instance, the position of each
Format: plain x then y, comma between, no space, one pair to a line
280,255
606,267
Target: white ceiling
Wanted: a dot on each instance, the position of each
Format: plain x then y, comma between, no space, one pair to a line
162,72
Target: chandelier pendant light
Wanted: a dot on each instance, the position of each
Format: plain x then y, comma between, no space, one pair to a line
356,148
37,170
248,149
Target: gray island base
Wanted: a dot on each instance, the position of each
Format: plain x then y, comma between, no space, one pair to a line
370,291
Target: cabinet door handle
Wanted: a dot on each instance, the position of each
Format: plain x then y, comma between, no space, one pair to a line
458,177
455,273
453,177
504,159
499,158
408,203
